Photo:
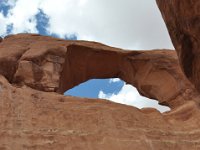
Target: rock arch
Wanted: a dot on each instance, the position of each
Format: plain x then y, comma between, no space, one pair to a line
56,65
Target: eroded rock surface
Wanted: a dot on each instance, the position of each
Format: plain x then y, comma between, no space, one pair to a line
35,70
55,65
182,18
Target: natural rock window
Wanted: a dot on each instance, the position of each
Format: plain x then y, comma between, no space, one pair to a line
115,90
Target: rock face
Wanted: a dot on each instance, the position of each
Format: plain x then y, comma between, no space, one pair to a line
35,70
55,65
182,18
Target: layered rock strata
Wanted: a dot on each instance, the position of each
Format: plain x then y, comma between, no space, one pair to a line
35,70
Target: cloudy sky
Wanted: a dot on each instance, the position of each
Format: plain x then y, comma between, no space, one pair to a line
128,24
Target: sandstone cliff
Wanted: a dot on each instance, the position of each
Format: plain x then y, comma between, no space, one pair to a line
182,18
35,70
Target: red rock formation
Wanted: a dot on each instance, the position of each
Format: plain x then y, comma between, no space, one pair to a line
182,18
35,69
56,65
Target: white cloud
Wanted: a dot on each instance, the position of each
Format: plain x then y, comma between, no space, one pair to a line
134,24
3,24
129,95
113,80
22,16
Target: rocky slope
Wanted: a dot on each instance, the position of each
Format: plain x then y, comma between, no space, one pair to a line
182,18
35,70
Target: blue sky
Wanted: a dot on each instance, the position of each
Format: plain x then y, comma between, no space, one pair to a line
121,23
92,87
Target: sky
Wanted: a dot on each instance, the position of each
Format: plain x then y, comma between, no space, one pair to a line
127,24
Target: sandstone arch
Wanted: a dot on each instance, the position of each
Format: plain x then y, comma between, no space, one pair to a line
55,65
36,66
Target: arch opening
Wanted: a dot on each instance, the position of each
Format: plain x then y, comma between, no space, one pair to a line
116,90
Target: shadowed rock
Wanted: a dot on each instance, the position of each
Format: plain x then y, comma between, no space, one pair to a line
182,18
